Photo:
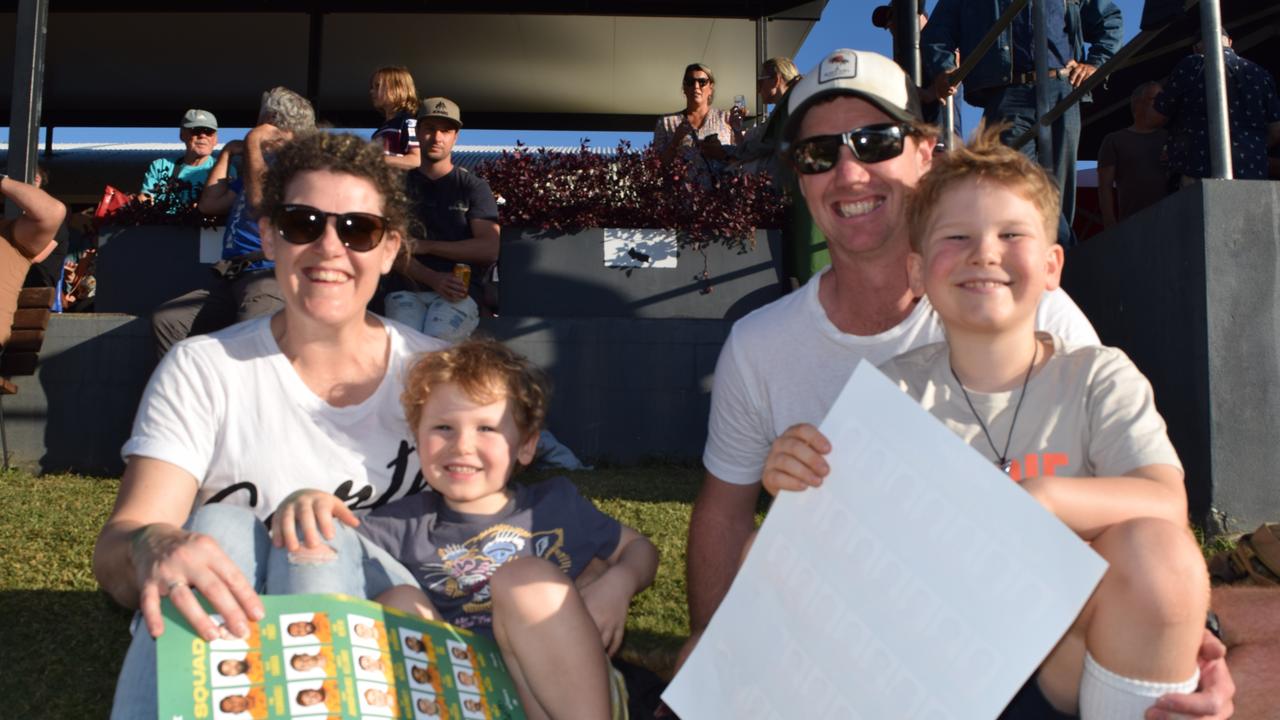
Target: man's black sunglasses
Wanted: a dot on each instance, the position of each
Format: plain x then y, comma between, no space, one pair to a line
302,224
870,144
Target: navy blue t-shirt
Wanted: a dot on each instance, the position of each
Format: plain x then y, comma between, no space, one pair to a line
453,555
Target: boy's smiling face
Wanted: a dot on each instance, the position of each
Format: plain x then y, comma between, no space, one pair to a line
986,259
469,449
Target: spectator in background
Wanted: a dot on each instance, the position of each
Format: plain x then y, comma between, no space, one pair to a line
199,133
244,285
393,94
45,273
26,239
885,16
1252,107
696,133
758,149
1132,160
1003,83
454,221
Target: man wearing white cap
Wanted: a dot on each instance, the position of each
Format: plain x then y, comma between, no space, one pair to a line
855,139
199,133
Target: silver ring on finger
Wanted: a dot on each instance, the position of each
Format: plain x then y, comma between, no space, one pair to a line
173,584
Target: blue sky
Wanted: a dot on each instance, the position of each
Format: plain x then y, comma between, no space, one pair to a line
844,23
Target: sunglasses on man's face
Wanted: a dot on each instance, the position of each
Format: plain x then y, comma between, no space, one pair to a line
303,224
203,131
699,81
870,144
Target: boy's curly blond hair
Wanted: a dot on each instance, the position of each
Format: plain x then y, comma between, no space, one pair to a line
984,158
486,370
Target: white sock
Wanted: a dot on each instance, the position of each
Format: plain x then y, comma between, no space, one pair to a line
1105,695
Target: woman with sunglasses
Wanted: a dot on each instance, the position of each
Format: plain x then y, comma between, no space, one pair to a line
699,126
233,422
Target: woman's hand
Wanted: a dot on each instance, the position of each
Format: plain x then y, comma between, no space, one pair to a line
795,461
170,561
312,512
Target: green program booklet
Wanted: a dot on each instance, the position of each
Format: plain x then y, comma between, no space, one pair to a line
332,656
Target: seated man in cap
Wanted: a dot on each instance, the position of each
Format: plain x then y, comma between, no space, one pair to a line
454,221
176,182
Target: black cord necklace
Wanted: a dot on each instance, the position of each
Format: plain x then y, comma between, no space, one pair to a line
1004,463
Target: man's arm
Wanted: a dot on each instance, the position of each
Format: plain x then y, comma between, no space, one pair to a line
408,161
723,518
1106,194
940,39
32,232
1103,28
217,196
255,162
481,247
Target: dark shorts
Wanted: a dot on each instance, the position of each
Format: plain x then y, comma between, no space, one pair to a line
1031,704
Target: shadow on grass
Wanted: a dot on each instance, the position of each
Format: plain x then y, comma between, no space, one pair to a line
654,651
61,653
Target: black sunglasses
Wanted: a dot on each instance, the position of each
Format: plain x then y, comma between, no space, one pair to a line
302,224
869,144
700,82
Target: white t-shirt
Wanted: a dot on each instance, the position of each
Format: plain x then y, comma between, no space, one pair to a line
230,409
1088,412
785,363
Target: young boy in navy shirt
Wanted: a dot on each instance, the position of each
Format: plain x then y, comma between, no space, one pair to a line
497,558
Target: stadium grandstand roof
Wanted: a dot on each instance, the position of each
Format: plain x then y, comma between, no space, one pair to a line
528,64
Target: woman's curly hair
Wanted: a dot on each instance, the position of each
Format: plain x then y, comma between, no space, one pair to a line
337,153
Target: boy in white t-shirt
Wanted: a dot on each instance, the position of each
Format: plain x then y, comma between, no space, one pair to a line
1075,426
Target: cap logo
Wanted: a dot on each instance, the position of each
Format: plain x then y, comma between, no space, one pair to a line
441,107
838,66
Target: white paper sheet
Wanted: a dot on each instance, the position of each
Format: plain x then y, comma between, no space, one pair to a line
918,582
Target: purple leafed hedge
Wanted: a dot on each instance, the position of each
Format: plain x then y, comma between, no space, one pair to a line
564,192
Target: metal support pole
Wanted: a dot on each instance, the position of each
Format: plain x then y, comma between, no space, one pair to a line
948,122
28,90
1044,153
762,54
1215,90
906,38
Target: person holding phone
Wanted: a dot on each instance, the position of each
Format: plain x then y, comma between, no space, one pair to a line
696,134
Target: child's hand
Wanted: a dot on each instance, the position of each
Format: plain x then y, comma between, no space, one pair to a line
795,461
312,512
607,600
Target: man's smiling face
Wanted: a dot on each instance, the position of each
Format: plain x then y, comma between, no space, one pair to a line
860,207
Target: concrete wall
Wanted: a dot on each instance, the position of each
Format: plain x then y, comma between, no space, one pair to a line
1189,289
564,276
631,354
76,411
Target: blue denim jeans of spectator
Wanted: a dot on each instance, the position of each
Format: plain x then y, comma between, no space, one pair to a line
1017,104
360,569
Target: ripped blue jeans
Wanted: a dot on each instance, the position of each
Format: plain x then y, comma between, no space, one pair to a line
359,569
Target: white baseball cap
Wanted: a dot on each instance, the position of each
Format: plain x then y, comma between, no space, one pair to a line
867,75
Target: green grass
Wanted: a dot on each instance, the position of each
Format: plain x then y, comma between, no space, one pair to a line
64,639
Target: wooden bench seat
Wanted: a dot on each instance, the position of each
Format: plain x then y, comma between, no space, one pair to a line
21,345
